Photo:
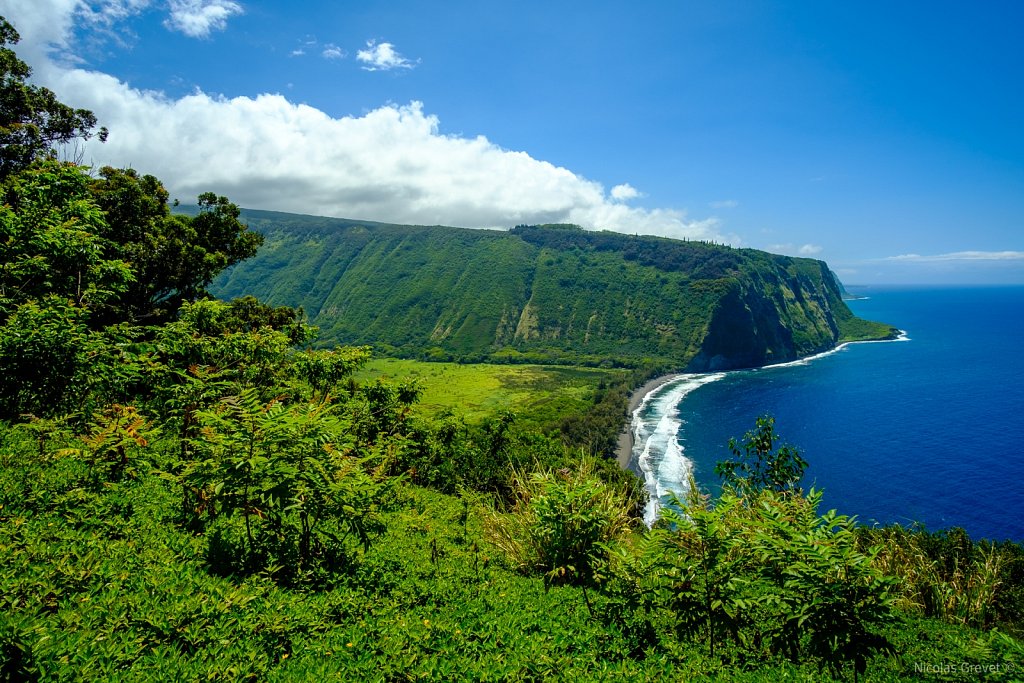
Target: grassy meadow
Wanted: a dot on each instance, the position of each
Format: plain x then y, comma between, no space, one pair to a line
537,394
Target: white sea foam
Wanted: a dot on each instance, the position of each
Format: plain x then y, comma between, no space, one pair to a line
656,424
656,448
806,360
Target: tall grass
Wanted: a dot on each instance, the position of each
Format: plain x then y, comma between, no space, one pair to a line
943,575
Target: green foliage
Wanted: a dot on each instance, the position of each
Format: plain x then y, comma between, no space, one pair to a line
596,429
755,577
16,660
324,370
45,354
562,524
173,257
384,410
827,596
52,241
201,337
290,473
542,294
32,120
759,465
102,579
709,589
110,243
116,435
948,576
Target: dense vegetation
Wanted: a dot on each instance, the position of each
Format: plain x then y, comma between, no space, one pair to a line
190,491
545,294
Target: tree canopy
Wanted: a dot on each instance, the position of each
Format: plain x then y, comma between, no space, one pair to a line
108,242
32,119
87,258
173,257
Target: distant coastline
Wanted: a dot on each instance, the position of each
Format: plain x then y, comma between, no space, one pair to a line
624,449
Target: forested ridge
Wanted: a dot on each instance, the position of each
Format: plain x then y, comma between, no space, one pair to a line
197,489
553,293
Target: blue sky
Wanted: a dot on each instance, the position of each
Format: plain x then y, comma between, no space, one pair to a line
883,137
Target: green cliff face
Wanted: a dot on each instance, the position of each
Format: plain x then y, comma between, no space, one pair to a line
555,293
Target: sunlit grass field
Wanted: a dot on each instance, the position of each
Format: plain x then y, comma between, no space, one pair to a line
536,393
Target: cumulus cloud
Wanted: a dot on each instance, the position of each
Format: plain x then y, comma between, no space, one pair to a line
624,192
724,204
199,18
809,249
382,57
332,51
45,25
973,256
391,164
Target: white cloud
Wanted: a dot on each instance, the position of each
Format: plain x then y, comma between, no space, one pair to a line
332,51
794,250
391,164
308,43
199,18
724,204
624,192
959,256
382,57
112,11
45,24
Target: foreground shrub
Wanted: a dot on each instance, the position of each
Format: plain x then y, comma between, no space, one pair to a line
949,576
562,523
289,474
755,578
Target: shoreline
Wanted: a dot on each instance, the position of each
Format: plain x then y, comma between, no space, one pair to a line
624,449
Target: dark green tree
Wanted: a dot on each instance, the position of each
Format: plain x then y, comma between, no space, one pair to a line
51,241
32,120
44,358
248,314
709,594
57,239
759,465
174,257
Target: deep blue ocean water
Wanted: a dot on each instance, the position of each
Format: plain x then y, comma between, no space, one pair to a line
928,430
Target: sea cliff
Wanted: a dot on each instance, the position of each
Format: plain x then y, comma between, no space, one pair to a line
555,294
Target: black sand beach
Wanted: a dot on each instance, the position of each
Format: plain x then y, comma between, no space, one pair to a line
624,451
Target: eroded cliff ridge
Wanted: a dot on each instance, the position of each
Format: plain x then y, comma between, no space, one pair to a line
551,293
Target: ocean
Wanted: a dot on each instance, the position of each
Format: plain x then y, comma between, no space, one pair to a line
926,430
